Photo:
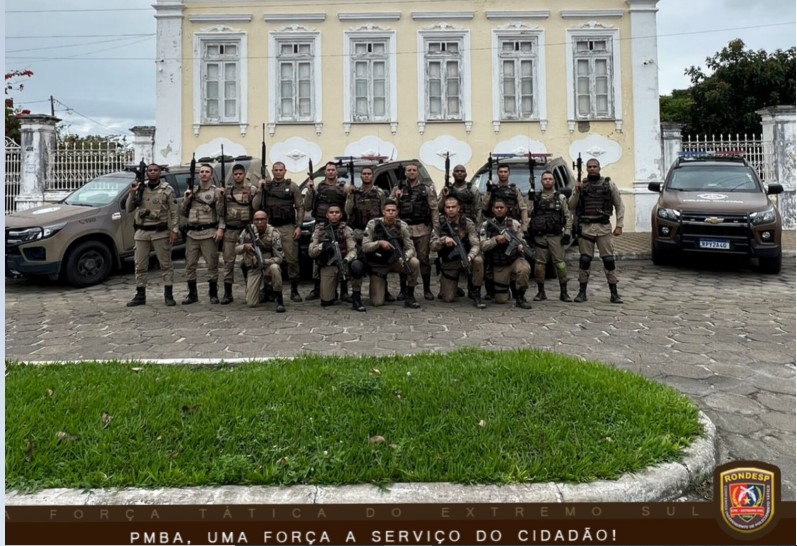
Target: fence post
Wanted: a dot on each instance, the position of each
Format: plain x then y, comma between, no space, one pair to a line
38,146
778,127
144,143
670,144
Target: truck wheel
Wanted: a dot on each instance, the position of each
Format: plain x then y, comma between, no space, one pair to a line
88,263
770,265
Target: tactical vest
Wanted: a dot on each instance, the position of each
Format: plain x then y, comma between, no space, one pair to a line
154,207
467,203
385,257
413,205
266,245
326,195
203,208
279,203
507,194
497,256
595,205
367,206
548,216
461,228
239,205
327,254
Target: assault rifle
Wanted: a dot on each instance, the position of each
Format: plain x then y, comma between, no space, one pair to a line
398,253
459,248
223,197
343,272
141,176
532,180
448,171
252,231
577,164
514,241
191,179
490,171
263,154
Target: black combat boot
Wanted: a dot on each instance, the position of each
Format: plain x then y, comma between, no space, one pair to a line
489,289
140,298
402,287
213,291
192,295
168,296
344,292
563,295
268,290
520,299
280,301
315,293
295,297
356,302
325,303
427,292
540,292
227,298
615,298
582,293
389,298
476,295
409,299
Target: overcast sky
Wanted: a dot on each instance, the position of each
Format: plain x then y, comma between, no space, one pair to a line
96,57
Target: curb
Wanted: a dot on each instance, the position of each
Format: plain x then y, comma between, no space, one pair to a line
660,483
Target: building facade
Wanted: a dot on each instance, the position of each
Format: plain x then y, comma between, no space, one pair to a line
414,80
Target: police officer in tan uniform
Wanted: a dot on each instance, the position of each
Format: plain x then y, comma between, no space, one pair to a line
269,241
383,257
510,194
363,204
450,264
317,200
594,200
156,227
281,198
203,208
238,197
417,206
551,226
508,270
470,204
321,248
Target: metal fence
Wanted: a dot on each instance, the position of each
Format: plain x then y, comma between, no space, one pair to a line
74,165
13,162
758,152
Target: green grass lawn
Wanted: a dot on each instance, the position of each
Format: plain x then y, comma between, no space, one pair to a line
470,416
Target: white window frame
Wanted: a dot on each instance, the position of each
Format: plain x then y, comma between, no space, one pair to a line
391,111
540,106
275,40
594,31
217,35
454,35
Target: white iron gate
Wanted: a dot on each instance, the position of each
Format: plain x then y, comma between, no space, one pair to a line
74,165
13,162
755,149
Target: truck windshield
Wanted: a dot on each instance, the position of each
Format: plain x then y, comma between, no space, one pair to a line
713,178
100,191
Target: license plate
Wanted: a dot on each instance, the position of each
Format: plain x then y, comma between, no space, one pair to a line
713,244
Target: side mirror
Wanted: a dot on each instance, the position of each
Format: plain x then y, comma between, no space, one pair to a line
655,186
774,189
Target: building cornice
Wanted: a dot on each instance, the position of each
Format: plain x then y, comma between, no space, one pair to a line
221,18
436,15
539,14
370,16
591,13
289,17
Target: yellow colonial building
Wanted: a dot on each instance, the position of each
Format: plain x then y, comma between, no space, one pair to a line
410,79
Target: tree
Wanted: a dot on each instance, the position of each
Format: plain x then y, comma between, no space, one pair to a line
677,108
740,82
13,83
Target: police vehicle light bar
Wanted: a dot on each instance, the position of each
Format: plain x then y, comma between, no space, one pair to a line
695,154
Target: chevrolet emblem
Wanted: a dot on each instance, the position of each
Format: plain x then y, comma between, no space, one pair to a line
713,220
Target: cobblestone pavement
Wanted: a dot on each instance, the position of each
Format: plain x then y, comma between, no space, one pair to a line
722,334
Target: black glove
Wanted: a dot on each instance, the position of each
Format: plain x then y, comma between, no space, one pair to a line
565,239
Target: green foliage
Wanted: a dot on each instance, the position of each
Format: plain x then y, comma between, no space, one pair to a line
470,416
736,83
677,108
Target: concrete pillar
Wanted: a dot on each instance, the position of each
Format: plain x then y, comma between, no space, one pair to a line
778,129
38,148
671,146
645,100
169,79
143,143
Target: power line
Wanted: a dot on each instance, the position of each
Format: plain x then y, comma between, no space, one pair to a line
62,46
70,110
74,36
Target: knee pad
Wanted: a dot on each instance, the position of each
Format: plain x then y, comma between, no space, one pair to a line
561,266
584,261
357,269
608,263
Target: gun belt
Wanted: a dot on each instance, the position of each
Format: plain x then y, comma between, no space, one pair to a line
152,227
201,227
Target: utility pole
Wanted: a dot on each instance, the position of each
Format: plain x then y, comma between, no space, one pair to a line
52,106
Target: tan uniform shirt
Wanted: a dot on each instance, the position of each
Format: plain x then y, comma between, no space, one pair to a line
270,257
419,230
288,186
205,209
348,247
596,230
470,234
373,235
157,207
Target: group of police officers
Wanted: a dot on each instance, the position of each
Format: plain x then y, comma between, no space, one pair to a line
477,237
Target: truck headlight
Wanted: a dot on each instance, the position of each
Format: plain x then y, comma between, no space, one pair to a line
669,214
763,217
